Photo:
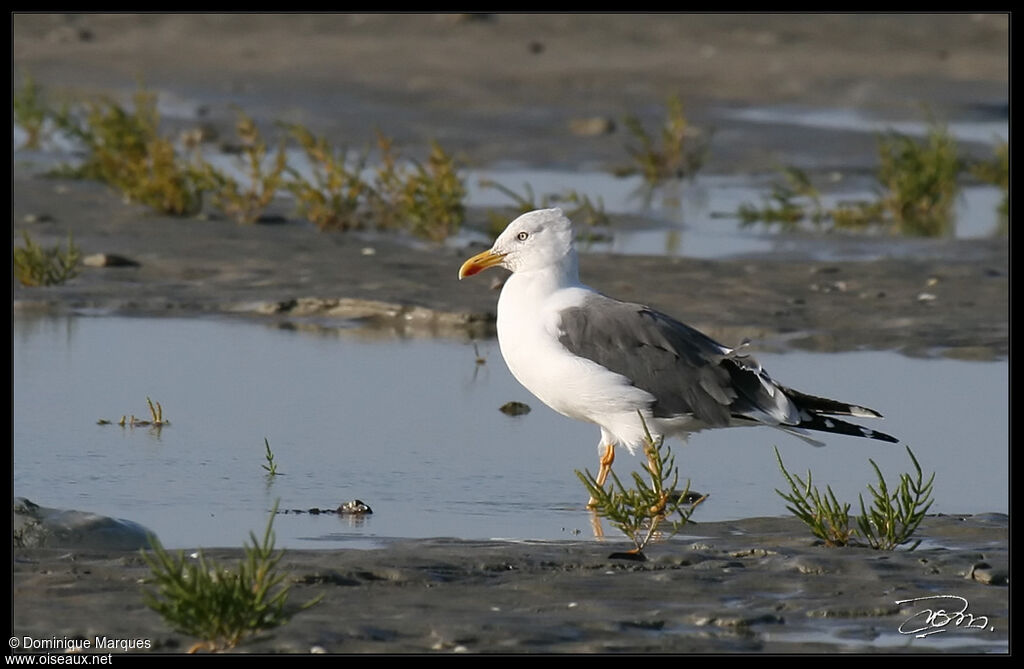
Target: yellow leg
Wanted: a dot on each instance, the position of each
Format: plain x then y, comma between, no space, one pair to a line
607,458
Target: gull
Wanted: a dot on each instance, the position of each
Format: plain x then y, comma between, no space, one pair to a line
626,367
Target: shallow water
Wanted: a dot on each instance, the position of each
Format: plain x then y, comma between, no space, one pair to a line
412,428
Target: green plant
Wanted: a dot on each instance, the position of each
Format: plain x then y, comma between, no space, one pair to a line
36,266
246,202
790,202
424,198
919,180
889,523
823,514
894,517
156,413
580,208
270,465
217,604
640,511
125,150
29,112
336,197
673,153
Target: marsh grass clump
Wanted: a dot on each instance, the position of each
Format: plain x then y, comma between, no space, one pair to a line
38,266
674,151
794,200
641,511
919,181
123,148
336,197
217,604
246,202
888,524
30,112
894,516
917,189
426,199
823,514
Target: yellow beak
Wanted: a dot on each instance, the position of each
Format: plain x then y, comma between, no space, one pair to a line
480,262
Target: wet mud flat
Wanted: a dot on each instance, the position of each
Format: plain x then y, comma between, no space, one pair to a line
944,297
758,585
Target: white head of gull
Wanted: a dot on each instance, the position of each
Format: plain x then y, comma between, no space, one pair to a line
596,359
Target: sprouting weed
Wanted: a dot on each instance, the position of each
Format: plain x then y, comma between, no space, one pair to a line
336,197
246,203
427,199
36,266
917,185
674,152
888,524
270,465
217,604
823,514
125,150
639,512
894,517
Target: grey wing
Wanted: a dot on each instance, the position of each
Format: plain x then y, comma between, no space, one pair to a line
686,371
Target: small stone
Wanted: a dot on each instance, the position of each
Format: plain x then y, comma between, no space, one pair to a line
515,409
108,260
356,507
926,297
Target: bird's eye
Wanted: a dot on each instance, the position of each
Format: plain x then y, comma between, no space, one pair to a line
522,236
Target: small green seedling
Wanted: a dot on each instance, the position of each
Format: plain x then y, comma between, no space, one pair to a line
270,465
894,517
888,524
220,605
823,514
639,512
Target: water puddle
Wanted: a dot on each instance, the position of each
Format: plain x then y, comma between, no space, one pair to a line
412,428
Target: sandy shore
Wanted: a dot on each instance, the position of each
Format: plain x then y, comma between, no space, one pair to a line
505,89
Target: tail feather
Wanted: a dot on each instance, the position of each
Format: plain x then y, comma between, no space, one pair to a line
824,423
816,414
823,405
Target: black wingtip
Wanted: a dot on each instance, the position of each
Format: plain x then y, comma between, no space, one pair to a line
836,426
